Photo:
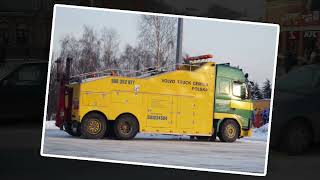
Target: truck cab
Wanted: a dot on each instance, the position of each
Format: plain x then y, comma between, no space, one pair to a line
232,98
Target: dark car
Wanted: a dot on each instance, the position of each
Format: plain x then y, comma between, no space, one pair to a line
295,118
22,89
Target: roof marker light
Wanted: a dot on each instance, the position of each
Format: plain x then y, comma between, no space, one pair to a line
199,59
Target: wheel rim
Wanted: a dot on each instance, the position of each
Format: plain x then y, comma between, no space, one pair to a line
94,126
125,127
231,131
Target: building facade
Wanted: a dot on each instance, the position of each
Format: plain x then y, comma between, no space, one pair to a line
300,29
25,28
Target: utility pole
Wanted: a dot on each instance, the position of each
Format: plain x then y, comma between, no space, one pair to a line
179,41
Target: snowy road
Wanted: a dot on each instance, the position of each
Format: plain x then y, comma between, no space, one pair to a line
244,155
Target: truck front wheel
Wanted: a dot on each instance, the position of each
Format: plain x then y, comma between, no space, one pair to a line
126,127
228,131
93,126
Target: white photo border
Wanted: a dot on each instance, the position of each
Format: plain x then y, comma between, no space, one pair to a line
151,164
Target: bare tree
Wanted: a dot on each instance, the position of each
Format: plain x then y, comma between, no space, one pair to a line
135,58
90,51
53,88
110,47
158,34
128,58
145,56
70,47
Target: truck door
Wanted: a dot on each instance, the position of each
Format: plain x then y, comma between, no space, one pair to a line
159,111
186,114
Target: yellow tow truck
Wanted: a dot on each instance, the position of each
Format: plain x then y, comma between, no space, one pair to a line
200,98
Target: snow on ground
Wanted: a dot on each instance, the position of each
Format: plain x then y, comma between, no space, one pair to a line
54,130
161,136
258,134
51,125
214,155
164,149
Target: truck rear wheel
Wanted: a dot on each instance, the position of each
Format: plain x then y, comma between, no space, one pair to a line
126,127
93,126
228,131
67,128
72,128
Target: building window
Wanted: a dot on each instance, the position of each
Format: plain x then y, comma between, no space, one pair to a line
36,4
4,34
22,34
27,75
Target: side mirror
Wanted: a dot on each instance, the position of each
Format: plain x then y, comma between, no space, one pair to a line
243,93
246,75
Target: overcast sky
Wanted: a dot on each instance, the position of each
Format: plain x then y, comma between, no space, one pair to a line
252,47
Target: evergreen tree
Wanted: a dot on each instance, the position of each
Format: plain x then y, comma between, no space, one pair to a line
256,92
266,89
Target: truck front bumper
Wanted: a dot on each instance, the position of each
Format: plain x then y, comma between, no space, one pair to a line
246,132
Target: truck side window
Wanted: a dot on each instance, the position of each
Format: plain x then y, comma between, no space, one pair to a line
27,75
224,86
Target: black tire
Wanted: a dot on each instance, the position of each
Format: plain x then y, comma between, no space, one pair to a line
228,131
110,130
213,137
126,127
67,128
297,138
73,128
93,126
